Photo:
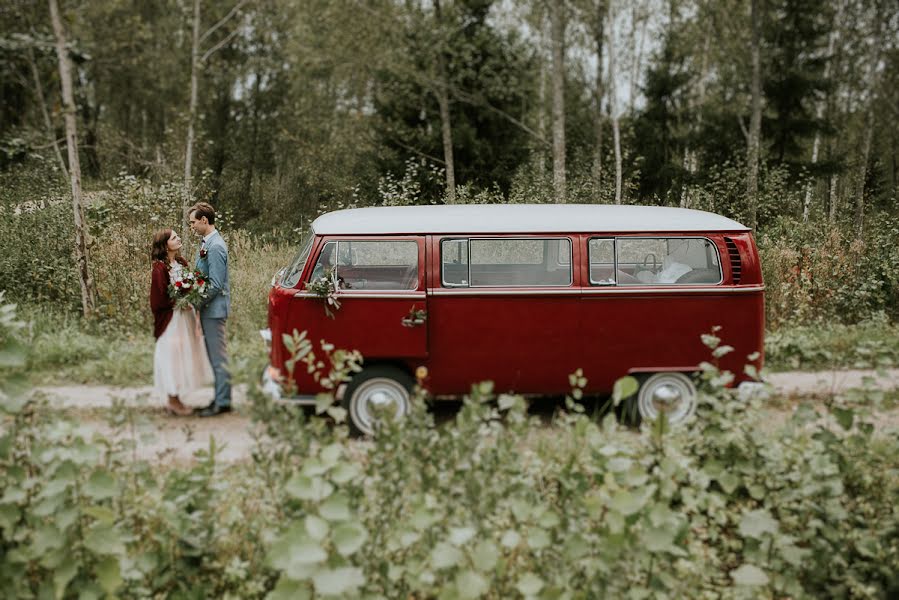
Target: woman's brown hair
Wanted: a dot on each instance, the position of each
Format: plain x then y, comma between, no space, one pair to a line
160,248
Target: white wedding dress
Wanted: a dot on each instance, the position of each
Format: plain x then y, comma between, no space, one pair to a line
180,363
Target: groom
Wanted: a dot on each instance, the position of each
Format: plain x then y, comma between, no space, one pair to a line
212,261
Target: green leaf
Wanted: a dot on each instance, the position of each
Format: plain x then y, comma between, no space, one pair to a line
459,536
338,581
349,537
316,528
529,585
104,539
627,503
749,575
485,556
9,515
756,523
344,473
63,574
444,556
844,416
538,538
470,585
308,488
46,538
728,482
624,387
510,539
100,513
335,508
101,485
295,553
109,574
287,589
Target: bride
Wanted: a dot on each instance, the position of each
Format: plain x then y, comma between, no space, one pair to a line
180,363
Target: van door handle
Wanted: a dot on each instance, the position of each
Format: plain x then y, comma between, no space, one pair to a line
413,321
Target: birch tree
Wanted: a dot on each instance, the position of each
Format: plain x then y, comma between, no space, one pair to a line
755,120
196,63
820,105
613,100
82,258
441,93
557,35
873,79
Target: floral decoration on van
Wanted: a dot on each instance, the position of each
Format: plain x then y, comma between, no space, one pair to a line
326,288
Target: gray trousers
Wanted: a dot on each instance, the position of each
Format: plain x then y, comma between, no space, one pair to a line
214,334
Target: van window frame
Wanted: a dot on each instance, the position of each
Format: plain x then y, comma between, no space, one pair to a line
616,238
337,239
614,261
539,237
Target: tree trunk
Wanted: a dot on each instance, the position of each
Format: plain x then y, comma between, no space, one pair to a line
598,36
191,116
755,121
819,108
540,153
691,162
48,123
863,173
81,249
637,42
446,125
557,27
873,81
446,128
613,104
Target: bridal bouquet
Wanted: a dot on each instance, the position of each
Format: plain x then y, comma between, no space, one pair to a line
188,288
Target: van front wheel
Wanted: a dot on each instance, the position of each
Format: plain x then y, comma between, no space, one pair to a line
378,392
671,393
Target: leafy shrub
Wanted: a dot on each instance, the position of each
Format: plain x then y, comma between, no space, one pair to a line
487,505
873,343
815,273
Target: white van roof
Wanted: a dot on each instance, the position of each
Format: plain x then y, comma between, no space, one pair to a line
519,218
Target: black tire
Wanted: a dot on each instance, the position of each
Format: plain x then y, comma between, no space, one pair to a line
375,385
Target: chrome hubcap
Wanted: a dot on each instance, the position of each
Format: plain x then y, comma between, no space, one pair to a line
670,393
378,398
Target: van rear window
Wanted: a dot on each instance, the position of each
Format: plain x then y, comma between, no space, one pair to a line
506,262
654,261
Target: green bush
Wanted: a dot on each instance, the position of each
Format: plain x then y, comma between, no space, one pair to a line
489,505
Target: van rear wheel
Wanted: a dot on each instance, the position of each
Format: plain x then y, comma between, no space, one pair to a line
671,393
378,392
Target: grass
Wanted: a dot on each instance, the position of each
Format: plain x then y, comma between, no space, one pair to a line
117,347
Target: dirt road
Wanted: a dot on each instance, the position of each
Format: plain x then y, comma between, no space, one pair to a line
179,438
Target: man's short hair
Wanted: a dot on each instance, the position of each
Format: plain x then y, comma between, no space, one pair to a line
203,209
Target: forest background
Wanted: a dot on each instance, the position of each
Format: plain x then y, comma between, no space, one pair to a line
116,114
777,113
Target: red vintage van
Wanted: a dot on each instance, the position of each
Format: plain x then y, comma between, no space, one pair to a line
522,295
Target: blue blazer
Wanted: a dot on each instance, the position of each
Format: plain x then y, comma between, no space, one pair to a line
218,288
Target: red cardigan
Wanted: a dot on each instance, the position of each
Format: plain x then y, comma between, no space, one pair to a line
160,302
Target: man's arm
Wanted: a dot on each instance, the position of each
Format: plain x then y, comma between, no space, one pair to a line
217,261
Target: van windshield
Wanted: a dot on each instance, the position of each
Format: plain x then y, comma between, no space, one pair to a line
293,272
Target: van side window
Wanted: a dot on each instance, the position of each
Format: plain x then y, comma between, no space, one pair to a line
454,259
667,261
502,262
602,261
371,265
